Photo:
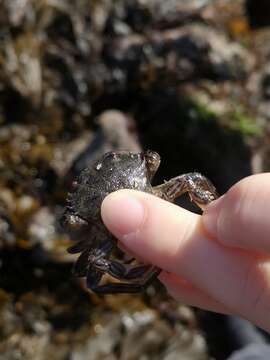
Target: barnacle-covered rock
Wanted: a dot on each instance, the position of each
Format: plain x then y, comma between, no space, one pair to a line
173,56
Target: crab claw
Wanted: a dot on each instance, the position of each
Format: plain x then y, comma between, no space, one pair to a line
72,221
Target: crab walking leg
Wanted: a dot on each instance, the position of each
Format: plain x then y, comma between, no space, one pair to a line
93,278
199,188
94,264
122,272
150,273
88,258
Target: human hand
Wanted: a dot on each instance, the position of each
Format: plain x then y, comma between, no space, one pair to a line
219,261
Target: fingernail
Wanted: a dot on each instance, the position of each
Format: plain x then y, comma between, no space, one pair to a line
123,213
211,215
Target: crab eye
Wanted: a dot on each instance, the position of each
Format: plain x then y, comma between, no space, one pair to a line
152,156
152,161
114,155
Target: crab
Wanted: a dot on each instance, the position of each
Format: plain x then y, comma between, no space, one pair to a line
114,171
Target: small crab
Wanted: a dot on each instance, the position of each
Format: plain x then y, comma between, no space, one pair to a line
114,171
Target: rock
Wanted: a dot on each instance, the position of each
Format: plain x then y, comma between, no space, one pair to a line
117,132
42,228
172,56
128,336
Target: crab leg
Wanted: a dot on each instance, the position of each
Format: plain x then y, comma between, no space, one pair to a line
149,272
93,265
199,188
122,272
86,261
93,278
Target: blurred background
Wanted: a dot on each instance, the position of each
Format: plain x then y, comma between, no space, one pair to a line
189,79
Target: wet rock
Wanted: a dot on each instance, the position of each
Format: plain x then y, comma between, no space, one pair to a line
7,235
16,11
66,153
103,343
259,89
42,228
25,158
7,228
28,334
146,333
9,320
45,232
117,131
173,56
141,16
21,64
130,335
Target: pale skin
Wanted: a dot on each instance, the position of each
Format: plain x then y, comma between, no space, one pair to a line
219,261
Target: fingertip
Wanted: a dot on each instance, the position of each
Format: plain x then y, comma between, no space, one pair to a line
211,215
240,217
122,212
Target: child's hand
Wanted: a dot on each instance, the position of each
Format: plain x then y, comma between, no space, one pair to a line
219,261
